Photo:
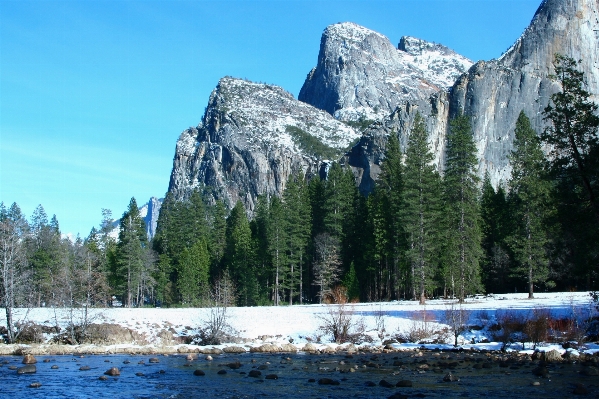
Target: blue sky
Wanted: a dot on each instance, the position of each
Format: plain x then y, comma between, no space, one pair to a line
94,94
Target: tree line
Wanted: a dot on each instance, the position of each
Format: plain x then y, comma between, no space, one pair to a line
421,233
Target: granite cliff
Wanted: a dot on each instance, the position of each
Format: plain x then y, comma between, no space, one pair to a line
253,136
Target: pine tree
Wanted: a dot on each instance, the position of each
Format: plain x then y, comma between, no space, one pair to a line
130,256
420,214
574,167
277,245
495,223
352,284
239,255
194,267
462,241
391,185
298,222
572,133
529,199
379,249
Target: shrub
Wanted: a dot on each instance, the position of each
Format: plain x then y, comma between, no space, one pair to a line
457,318
311,144
536,327
340,320
421,328
510,326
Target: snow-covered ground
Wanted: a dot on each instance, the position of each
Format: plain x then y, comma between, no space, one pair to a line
300,325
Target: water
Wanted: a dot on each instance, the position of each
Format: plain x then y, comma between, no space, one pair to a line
173,377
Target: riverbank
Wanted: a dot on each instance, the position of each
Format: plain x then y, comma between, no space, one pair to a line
385,326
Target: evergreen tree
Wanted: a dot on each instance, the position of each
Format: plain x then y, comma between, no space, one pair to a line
391,186
379,250
352,284
463,239
45,255
259,226
339,197
298,222
420,214
494,228
239,256
574,167
529,198
194,267
277,245
130,256
572,133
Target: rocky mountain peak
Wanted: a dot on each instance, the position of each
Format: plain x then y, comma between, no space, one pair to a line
361,75
251,138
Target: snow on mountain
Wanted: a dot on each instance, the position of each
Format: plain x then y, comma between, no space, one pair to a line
360,74
252,137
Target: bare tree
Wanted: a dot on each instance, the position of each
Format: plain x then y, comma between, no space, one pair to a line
216,328
457,318
13,262
327,268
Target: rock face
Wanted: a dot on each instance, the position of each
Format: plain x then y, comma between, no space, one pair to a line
495,92
149,212
251,139
253,136
360,74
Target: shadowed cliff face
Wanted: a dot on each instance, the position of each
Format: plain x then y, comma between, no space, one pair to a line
251,139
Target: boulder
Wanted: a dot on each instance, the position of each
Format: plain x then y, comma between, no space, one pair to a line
309,347
234,349
288,348
113,372
29,359
552,356
27,369
254,374
450,378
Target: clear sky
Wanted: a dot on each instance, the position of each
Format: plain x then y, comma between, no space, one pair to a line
94,94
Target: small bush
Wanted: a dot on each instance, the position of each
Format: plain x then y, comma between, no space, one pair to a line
537,326
457,318
340,320
421,328
510,326
29,333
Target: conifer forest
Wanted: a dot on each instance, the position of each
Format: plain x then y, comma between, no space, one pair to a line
425,231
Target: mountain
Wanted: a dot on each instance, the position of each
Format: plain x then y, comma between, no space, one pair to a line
360,74
252,137
492,93
149,213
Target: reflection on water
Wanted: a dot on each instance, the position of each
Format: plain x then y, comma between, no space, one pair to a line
173,377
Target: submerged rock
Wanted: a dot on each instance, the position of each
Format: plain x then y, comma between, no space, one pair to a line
28,369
